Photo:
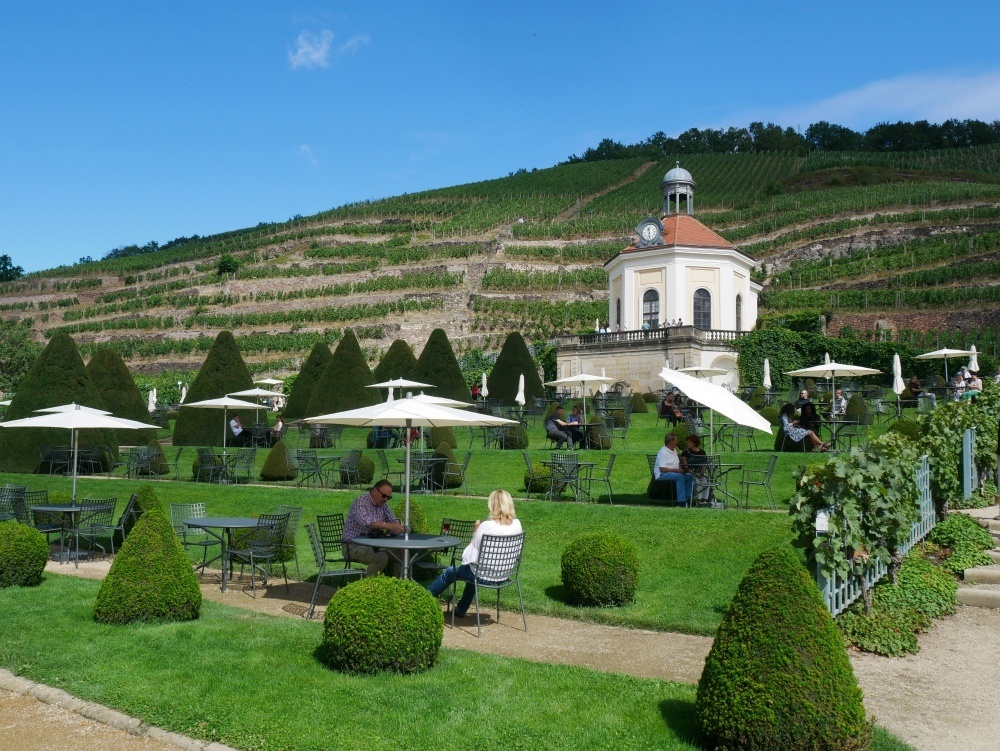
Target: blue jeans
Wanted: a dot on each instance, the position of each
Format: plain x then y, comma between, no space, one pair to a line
448,577
685,484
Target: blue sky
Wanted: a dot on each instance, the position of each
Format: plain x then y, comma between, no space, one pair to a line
125,122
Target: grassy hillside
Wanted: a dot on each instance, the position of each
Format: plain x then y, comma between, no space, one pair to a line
908,239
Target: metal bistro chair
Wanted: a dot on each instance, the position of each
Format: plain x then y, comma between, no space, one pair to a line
260,547
453,470
176,463
319,554
45,522
529,476
331,534
393,476
603,477
244,462
60,461
565,474
350,469
294,519
758,478
460,528
310,468
127,514
92,522
498,567
192,536
11,498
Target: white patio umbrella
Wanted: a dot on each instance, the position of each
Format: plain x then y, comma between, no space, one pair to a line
897,376
717,399
184,393
944,354
440,401
766,383
582,380
399,383
225,403
974,360
483,391
697,371
519,399
408,414
597,325
255,393
270,381
74,417
831,370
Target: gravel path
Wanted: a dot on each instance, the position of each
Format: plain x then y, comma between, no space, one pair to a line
941,699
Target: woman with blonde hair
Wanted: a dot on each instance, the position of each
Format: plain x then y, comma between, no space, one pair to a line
502,522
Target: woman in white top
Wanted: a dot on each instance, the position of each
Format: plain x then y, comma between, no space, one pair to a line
502,522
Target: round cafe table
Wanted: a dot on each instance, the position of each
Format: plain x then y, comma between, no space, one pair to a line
418,544
225,526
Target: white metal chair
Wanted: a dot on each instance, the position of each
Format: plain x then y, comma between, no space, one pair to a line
498,567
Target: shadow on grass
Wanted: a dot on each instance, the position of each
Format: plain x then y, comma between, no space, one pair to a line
557,592
679,716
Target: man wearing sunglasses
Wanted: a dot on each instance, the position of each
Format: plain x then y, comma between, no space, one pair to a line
370,513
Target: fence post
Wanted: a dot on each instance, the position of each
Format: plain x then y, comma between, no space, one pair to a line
826,587
969,475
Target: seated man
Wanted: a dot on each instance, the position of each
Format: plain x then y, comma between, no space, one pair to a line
240,437
556,428
803,399
668,469
369,513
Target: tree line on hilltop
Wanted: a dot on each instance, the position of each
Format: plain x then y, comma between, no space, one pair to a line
823,136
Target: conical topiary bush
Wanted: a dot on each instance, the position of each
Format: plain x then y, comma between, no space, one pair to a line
397,362
778,675
151,578
437,365
120,395
305,381
222,373
57,377
342,385
513,361
279,464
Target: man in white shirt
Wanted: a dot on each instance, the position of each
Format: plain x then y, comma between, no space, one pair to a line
668,469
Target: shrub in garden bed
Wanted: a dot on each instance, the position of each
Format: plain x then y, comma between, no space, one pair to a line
418,520
382,624
542,481
151,579
600,569
279,464
639,404
650,398
772,414
444,451
439,436
23,553
906,427
159,464
778,676
967,540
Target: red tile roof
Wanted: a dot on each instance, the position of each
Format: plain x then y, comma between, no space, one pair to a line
683,230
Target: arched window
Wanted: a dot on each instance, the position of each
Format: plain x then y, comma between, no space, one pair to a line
651,308
739,312
702,309
618,312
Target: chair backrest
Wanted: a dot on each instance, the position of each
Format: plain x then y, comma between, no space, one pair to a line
499,557
97,512
319,551
9,494
294,518
465,462
331,531
527,461
566,458
651,458
351,460
611,464
177,456
127,512
269,532
771,464
565,471
463,529
181,511
383,461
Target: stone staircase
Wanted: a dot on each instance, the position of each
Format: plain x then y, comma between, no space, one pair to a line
981,585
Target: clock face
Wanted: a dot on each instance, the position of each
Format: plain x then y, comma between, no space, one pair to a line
650,232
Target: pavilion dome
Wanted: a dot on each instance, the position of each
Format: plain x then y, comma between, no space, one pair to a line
678,174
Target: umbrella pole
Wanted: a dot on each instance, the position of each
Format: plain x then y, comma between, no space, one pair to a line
406,496
711,431
225,427
76,456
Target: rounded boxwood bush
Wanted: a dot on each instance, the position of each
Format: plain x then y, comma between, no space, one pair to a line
515,437
279,464
778,675
151,579
418,520
906,427
382,624
159,464
23,553
600,569
542,481
650,398
639,404
772,414
757,397
439,436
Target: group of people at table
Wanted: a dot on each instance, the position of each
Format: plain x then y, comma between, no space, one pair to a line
370,514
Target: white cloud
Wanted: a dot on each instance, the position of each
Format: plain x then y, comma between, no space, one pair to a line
311,50
305,154
353,44
934,97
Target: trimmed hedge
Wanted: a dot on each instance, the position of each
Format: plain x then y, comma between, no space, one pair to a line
772,414
440,436
542,481
906,427
437,365
397,362
223,372
600,569
778,676
444,451
279,465
23,553
514,361
639,405
382,624
151,579
418,520
343,383
302,389
114,382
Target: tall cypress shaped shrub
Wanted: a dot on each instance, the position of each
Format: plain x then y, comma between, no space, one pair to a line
437,365
57,377
222,373
513,361
342,385
778,675
397,362
305,382
121,396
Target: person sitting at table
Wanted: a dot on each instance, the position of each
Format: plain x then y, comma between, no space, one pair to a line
803,398
240,436
276,433
958,386
670,411
475,392
973,383
668,469
838,407
693,460
555,428
808,418
369,513
502,522
919,392
797,433
574,425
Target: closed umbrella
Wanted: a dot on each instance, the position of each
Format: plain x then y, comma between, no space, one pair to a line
826,358
519,399
151,400
583,380
483,391
225,403
604,387
75,417
944,354
408,414
184,393
597,325
974,360
897,375
767,375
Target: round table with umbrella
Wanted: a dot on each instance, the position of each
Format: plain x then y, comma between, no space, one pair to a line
225,403
944,354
